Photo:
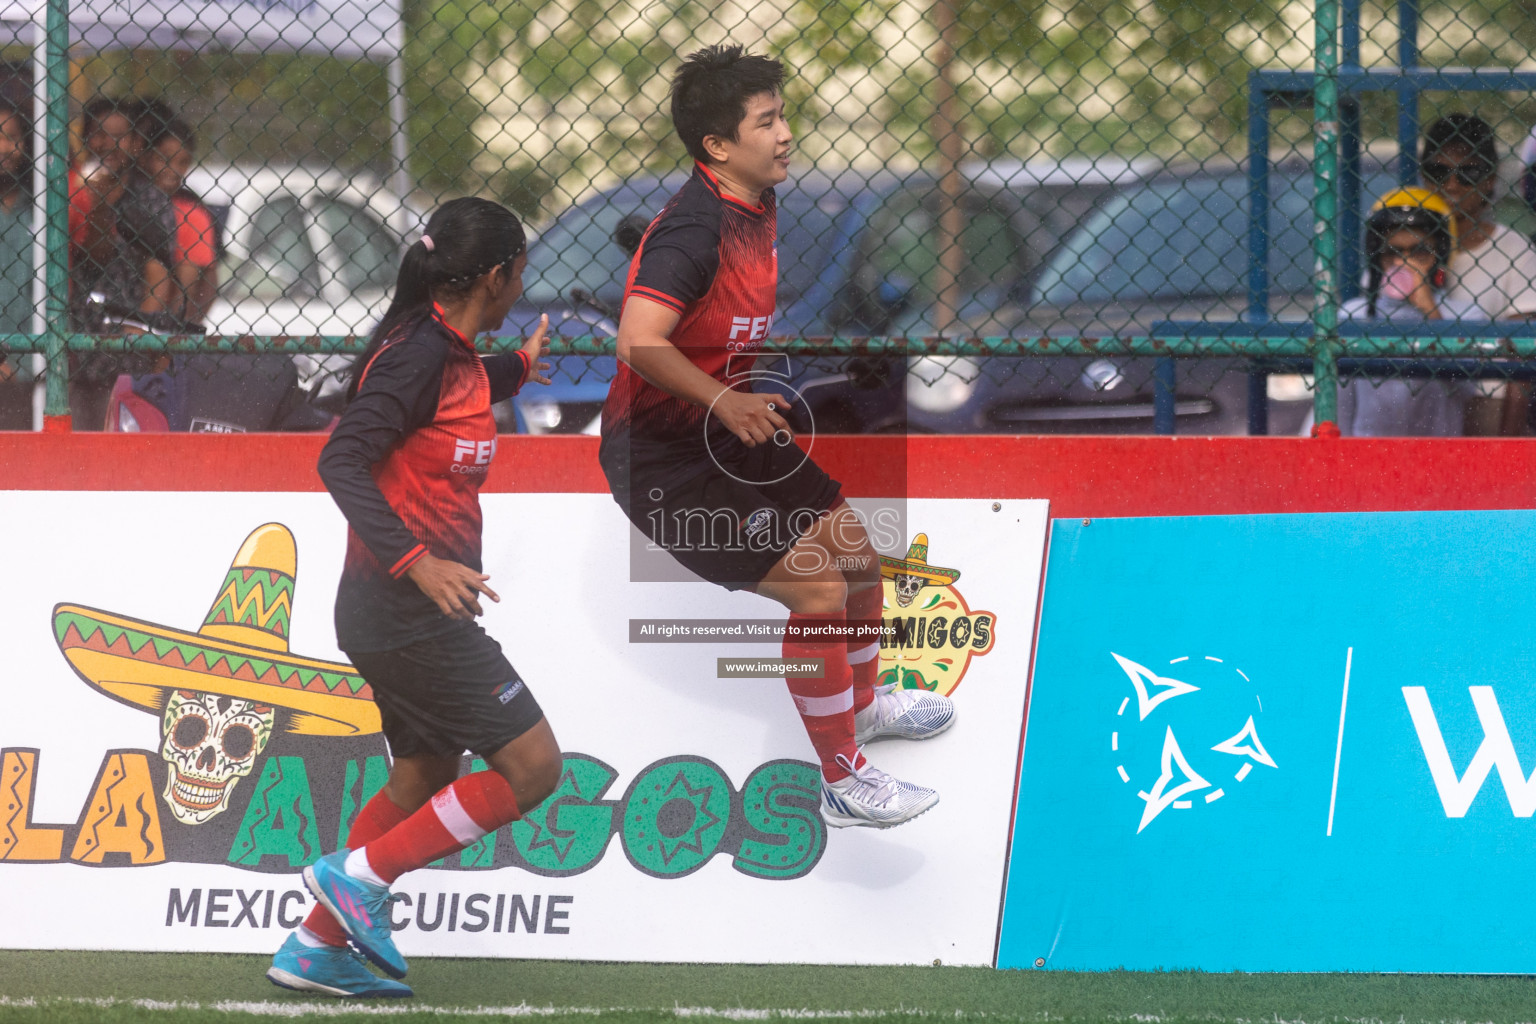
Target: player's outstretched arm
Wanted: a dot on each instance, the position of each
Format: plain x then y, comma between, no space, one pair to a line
644,344
533,348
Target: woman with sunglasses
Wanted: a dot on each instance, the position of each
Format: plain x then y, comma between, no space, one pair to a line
405,465
1493,269
1409,239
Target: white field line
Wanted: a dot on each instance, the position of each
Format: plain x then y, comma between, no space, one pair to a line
340,1007
344,1007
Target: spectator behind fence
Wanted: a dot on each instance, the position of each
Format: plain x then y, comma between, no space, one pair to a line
120,228
120,225
192,281
15,219
1493,270
1409,240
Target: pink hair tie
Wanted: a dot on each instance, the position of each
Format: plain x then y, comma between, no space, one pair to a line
426,240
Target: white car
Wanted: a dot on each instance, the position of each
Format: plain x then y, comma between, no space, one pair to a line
307,251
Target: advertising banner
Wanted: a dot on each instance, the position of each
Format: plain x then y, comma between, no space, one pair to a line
1280,743
181,736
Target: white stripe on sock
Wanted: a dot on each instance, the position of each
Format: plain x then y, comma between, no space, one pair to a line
859,655
358,867
454,818
823,707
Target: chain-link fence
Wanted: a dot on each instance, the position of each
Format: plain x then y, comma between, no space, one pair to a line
1083,216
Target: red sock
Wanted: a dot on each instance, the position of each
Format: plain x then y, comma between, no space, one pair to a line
825,704
864,655
460,813
377,817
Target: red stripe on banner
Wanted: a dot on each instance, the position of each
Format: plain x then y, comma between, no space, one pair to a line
1081,476
1175,476
255,462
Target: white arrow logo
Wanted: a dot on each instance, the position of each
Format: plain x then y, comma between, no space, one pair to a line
1161,796
1246,744
1142,678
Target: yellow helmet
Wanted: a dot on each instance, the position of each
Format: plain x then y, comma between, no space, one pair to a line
1408,208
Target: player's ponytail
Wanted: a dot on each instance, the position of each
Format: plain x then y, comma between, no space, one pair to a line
465,239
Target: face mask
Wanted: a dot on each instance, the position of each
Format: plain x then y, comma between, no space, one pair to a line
1400,282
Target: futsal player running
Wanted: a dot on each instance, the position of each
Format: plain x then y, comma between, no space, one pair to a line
405,465
686,441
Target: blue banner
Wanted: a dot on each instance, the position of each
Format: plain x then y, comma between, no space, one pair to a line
1281,743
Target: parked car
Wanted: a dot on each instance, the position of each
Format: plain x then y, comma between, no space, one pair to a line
306,251
856,258
1085,249
1170,247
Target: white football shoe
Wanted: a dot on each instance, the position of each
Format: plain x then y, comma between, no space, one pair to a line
908,714
872,798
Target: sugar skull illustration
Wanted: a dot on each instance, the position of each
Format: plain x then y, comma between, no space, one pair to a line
209,743
222,691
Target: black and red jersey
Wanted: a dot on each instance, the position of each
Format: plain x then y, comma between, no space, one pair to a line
405,465
714,259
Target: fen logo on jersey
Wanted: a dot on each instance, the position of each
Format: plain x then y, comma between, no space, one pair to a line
472,456
755,328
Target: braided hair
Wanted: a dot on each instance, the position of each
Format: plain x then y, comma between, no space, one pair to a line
469,238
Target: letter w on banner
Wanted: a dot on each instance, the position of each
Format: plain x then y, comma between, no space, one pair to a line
1496,751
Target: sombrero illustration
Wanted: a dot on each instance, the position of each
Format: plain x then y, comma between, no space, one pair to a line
916,564
240,651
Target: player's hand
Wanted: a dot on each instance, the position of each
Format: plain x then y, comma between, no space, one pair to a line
753,417
452,586
532,347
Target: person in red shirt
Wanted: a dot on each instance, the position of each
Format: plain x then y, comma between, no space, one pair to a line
119,233
120,226
709,470
112,147
405,465
191,280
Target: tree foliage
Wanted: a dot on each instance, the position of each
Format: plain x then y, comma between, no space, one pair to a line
533,101
1058,76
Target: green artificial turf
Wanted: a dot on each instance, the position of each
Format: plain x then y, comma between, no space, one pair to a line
220,987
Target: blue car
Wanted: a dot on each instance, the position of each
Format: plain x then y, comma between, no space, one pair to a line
857,257
1172,246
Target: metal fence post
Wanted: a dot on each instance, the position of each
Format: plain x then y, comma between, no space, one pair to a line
1165,410
1258,199
1325,242
56,117
1408,93
1258,241
1258,403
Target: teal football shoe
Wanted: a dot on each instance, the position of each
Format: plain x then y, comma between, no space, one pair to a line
361,908
333,970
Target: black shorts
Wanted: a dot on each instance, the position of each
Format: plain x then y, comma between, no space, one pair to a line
732,523
447,694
